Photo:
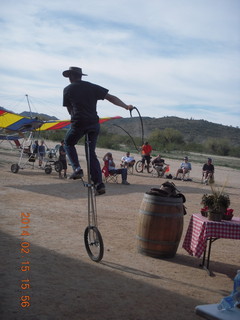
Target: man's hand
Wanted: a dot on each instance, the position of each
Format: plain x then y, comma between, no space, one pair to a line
130,107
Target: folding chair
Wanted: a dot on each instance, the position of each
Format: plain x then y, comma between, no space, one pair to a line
210,178
159,171
109,177
129,167
186,177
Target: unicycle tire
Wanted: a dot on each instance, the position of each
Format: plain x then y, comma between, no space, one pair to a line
93,243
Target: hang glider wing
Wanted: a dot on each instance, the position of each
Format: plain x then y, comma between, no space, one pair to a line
14,122
65,124
102,120
54,125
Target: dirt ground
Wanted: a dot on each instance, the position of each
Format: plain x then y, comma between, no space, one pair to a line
126,285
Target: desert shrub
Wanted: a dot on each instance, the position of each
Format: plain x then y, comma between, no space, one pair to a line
168,138
217,146
54,135
234,152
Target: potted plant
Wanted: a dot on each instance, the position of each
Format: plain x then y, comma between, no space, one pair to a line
217,203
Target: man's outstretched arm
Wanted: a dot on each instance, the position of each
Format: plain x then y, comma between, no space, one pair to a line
115,100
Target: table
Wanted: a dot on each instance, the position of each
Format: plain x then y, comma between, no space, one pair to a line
201,233
210,312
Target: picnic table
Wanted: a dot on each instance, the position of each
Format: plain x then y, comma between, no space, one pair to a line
201,233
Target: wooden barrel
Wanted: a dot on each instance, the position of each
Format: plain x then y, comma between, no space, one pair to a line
160,226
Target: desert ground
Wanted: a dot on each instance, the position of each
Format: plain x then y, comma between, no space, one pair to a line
126,285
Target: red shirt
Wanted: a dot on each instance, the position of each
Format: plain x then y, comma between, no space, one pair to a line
146,149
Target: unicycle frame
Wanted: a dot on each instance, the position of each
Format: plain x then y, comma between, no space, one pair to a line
92,236
92,208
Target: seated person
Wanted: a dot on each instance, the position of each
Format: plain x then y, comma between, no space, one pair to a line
127,161
111,168
208,171
185,167
160,165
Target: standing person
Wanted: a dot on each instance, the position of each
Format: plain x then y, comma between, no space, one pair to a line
41,153
63,160
35,147
146,155
80,98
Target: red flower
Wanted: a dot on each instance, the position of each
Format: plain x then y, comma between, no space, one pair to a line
229,212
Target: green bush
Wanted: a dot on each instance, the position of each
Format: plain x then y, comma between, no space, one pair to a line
217,146
54,135
168,138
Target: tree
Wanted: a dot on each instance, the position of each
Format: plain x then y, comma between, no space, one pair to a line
218,146
167,138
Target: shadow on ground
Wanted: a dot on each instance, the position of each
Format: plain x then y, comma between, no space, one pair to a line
63,288
75,189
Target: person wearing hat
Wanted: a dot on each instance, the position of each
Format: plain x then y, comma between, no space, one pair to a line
208,171
185,167
80,98
159,165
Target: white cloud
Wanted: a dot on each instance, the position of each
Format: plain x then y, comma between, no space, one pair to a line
168,58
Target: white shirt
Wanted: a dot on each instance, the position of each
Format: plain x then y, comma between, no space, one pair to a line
127,159
186,166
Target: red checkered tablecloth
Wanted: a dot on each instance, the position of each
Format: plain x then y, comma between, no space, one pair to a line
200,229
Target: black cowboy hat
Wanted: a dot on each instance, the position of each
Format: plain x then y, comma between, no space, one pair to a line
77,70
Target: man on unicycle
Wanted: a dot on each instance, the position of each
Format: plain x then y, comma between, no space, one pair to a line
80,98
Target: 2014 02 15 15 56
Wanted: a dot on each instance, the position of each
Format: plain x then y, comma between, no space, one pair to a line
25,260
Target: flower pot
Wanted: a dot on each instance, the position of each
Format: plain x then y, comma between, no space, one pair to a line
215,216
204,213
227,217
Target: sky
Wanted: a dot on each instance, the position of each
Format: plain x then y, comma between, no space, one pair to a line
168,58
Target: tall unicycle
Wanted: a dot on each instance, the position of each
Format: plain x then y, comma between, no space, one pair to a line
92,236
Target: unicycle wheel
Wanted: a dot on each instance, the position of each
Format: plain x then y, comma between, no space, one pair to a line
93,243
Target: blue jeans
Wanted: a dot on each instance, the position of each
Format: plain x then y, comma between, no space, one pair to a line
122,171
73,135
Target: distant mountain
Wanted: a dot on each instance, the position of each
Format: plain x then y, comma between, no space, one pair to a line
197,131
41,116
192,130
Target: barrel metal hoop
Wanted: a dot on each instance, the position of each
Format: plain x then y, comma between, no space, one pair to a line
163,215
164,201
168,243
156,254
